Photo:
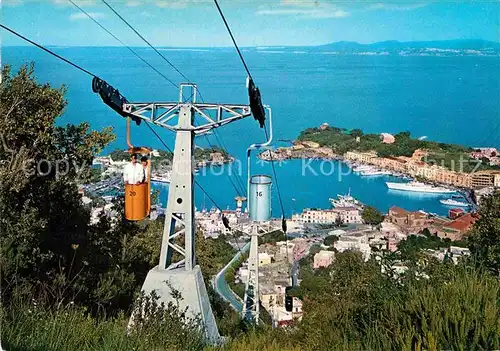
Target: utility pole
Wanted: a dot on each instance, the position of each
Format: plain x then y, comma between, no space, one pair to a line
184,275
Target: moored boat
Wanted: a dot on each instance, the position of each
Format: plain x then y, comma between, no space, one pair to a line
161,178
375,173
420,188
451,202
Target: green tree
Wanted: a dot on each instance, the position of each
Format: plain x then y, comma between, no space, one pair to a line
356,133
372,216
484,237
330,240
45,229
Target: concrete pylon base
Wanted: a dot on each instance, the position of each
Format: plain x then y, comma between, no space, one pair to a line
192,288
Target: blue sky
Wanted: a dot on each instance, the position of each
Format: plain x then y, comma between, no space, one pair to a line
254,23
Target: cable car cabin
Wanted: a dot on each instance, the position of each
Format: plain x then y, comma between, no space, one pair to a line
138,185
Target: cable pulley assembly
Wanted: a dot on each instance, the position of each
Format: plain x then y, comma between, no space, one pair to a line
283,224
225,221
112,97
256,106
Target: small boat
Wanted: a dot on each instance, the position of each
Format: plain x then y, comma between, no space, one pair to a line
451,202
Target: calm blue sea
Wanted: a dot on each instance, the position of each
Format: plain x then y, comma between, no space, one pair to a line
449,99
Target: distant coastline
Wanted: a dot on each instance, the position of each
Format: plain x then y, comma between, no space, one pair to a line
399,154
454,47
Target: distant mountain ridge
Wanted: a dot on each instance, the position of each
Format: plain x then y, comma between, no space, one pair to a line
459,44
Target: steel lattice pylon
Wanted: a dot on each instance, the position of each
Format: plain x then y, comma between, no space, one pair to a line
251,300
184,275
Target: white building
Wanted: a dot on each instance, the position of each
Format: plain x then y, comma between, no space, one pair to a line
337,232
358,242
349,214
264,258
323,259
318,216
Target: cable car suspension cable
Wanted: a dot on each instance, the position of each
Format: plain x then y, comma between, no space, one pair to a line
237,175
257,109
47,50
161,55
239,191
125,45
225,221
147,63
145,40
232,38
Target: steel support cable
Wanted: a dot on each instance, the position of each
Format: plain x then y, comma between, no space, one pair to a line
170,150
144,39
48,51
232,38
148,43
93,75
240,182
125,45
159,53
151,46
198,184
238,190
283,222
275,177
250,75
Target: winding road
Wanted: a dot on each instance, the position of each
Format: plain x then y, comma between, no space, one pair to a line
222,287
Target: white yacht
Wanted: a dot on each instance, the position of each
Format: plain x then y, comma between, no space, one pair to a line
420,188
375,172
451,202
161,178
363,168
344,201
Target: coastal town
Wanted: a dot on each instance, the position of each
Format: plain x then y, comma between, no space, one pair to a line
315,235
318,234
418,165
247,175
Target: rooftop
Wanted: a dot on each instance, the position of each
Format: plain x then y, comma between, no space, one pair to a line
398,211
462,223
325,254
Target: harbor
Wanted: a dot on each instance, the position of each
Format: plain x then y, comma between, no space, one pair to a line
370,190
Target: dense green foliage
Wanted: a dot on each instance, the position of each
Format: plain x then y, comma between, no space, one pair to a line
330,240
272,237
485,235
68,284
412,248
38,327
451,156
372,216
230,275
50,253
47,244
352,305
